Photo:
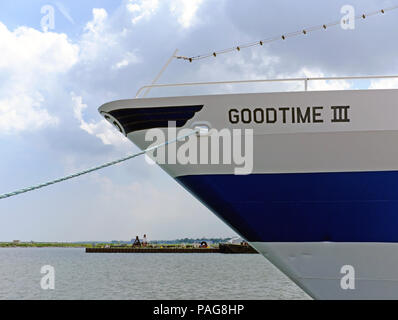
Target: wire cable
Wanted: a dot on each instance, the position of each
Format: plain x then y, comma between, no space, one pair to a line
108,164
304,31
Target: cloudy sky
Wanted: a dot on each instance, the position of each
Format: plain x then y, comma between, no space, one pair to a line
52,80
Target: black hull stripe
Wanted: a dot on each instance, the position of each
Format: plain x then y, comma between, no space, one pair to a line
135,119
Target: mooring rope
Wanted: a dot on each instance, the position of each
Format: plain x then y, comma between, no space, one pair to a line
285,36
108,164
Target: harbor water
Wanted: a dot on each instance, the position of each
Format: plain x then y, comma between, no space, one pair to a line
141,276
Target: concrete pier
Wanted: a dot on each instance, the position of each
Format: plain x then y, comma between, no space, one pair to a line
151,250
223,248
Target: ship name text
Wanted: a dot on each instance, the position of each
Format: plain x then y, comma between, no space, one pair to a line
289,115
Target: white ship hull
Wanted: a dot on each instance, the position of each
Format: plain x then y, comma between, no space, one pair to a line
322,192
316,267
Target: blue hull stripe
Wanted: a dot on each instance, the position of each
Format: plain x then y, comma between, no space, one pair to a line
304,207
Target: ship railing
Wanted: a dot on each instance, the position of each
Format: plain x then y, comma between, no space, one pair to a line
304,80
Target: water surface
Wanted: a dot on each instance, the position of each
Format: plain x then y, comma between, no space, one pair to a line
79,275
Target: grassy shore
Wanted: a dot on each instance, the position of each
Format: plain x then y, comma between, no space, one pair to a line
45,245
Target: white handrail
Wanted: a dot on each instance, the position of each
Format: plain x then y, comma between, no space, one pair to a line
305,80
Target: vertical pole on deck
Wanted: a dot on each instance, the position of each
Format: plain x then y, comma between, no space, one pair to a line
160,73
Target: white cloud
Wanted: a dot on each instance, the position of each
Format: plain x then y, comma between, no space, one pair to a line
22,111
95,39
324,85
185,10
384,84
34,64
96,25
31,60
128,59
100,129
101,43
260,65
27,50
141,9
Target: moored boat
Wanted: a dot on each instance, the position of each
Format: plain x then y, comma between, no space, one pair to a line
309,178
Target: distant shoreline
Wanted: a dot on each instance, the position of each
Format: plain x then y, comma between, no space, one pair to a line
178,243
97,245
43,245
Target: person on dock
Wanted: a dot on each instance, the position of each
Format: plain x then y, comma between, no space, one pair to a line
145,241
203,245
137,242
